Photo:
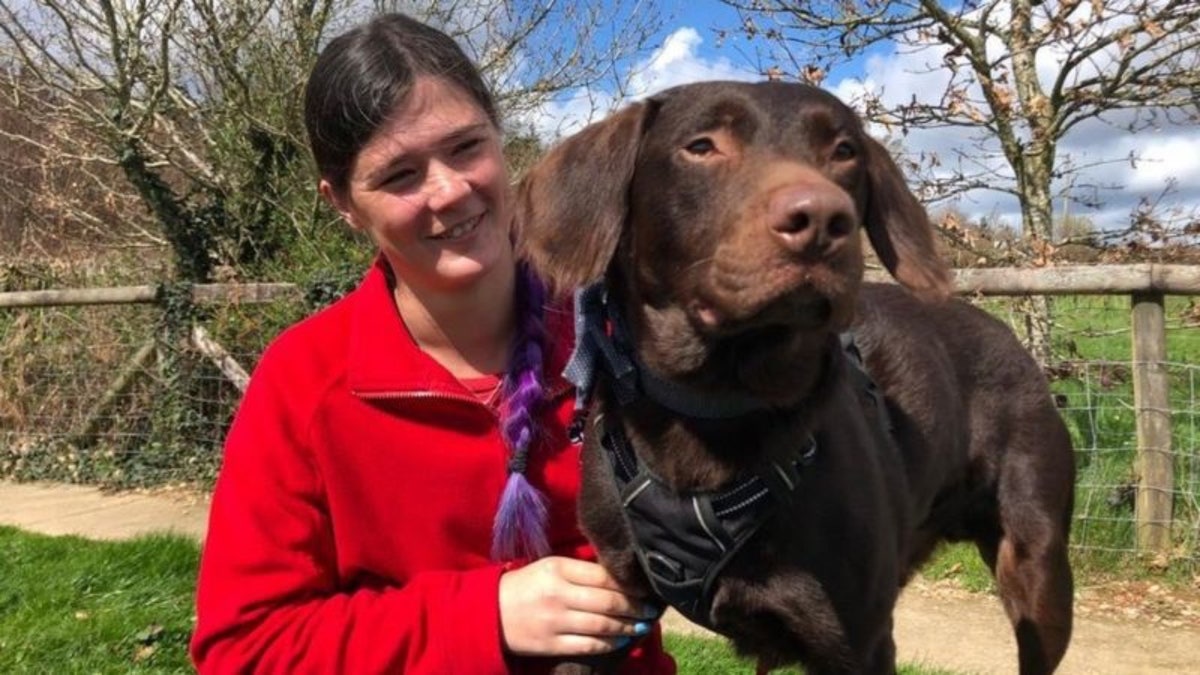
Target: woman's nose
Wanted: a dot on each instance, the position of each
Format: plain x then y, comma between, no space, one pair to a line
445,186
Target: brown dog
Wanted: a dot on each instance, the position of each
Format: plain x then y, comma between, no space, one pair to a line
723,220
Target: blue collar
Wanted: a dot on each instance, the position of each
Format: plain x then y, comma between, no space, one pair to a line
603,340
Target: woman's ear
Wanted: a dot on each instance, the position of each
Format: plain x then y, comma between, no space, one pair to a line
339,202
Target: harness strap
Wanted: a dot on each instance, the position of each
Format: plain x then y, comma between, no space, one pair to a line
684,541
883,427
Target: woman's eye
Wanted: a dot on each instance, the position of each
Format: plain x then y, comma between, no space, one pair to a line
401,177
467,146
701,146
844,151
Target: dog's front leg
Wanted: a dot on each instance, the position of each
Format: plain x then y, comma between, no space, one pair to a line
603,523
602,519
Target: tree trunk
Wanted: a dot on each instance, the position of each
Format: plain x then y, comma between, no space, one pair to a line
190,240
1037,311
1037,218
1035,170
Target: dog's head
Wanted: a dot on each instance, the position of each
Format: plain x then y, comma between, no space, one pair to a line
725,217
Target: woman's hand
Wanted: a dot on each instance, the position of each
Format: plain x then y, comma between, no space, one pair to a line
561,606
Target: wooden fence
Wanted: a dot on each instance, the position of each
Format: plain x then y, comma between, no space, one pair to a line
1147,285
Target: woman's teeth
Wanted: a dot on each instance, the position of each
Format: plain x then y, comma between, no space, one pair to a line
460,230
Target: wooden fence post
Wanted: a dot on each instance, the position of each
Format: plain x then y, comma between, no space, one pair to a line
1154,466
98,415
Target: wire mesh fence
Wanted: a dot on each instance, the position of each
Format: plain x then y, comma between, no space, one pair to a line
122,395
1098,405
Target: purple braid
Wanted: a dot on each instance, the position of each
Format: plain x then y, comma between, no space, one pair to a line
520,527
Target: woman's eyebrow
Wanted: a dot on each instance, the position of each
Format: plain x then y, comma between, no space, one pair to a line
462,132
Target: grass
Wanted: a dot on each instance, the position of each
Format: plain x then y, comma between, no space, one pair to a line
701,656
960,562
70,605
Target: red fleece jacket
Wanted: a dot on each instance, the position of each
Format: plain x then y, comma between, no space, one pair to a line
351,522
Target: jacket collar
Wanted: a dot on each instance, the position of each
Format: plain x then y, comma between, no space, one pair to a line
385,360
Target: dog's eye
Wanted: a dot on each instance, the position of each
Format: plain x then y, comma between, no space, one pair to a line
844,151
701,146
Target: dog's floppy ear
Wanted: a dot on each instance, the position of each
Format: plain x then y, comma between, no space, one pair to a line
899,229
572,204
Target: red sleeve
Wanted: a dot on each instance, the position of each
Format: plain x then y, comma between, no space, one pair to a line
268,597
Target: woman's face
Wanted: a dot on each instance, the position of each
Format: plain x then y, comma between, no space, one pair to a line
431,191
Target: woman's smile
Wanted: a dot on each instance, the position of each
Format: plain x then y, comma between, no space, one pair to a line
460,230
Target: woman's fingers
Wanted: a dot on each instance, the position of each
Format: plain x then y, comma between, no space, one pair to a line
584,573
587,623
606,602
588,644
561,606
585,633
595,590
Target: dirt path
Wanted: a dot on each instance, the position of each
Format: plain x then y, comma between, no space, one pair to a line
1123,628
945,626
941,625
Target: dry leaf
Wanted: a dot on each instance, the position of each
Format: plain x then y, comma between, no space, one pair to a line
144,652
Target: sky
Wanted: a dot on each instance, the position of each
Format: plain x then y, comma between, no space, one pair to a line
688,50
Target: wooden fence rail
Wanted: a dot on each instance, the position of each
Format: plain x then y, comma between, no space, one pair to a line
1081,280
131,295
1146,284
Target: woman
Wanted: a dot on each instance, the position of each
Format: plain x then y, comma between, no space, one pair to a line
398,490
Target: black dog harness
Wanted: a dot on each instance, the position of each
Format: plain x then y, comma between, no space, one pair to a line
683,541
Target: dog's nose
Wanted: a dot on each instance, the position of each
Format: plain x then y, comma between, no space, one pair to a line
808,219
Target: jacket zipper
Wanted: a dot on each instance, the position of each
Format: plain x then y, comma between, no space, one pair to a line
447,396
394,395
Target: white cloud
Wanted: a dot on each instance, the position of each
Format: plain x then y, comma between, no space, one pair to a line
1168,157
678,61
1129,166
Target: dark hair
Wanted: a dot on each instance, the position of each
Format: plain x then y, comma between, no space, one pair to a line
362,75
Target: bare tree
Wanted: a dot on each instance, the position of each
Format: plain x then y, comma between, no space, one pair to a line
191,108
1131,63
